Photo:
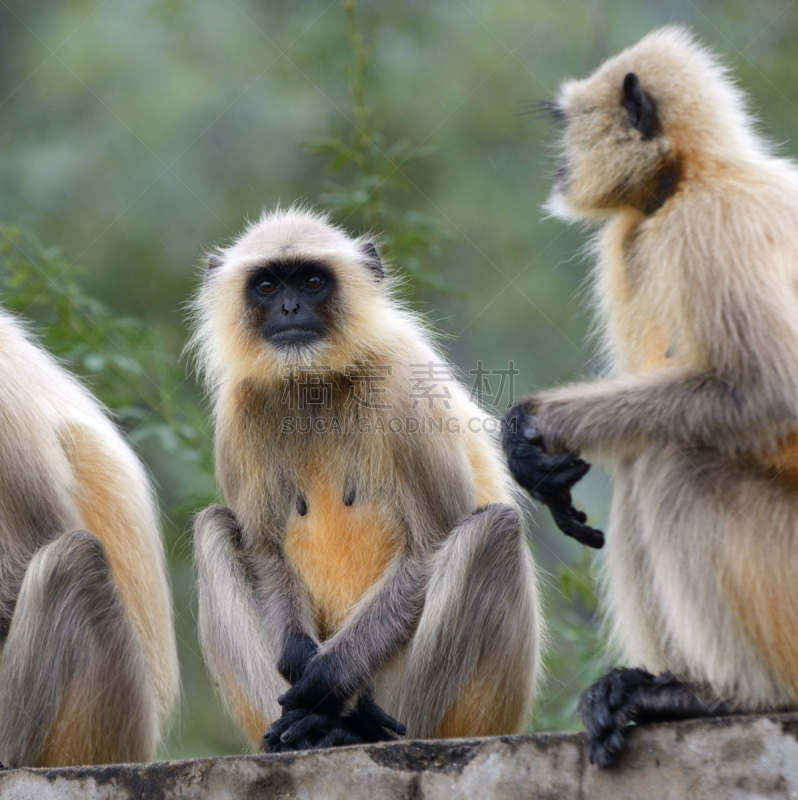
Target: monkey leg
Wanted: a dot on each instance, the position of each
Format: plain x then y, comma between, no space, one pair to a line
234,641
634,610
634,695
74,682
470,668
700,583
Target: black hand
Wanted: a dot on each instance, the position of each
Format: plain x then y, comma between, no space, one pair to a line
303,730
298,650
317,690
548,479
372,723
572,523
623,696
606,708
308,730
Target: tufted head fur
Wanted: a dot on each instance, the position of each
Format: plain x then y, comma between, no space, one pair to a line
363,319
659,112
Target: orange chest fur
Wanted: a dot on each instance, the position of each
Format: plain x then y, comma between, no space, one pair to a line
340,551
784,459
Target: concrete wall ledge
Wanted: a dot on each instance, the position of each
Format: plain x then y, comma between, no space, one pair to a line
727,759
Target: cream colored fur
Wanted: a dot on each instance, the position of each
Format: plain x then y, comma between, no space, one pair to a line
416,495
66,469
696,289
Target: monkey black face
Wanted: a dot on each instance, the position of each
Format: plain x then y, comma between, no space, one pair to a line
292,302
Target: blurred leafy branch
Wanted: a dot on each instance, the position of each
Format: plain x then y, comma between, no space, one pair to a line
369,173
122,359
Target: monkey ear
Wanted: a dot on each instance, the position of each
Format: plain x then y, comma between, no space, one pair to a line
639,107
213,261
373,260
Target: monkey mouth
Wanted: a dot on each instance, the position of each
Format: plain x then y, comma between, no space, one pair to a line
294,336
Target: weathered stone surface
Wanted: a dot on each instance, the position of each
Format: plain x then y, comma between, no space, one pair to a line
727,759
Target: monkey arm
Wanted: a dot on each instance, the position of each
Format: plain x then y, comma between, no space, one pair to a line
374,630
282,604
284,608
679,406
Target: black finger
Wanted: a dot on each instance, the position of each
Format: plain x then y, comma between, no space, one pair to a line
271,740
563,514
567,519
303,726
380,717
519,423
590,537
584,534
279,726
368,729
273,734
566,476
270,737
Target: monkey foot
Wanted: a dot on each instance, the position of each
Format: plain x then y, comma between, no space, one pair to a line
623,696
607,707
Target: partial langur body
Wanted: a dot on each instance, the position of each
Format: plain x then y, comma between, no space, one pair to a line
371,561
88,665
696,287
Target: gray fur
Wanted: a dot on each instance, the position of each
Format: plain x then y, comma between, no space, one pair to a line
71,638
667,554
471,624
236,635
684,406
378,625
419,632
75,656
699,313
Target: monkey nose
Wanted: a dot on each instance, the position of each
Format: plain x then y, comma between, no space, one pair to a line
291,308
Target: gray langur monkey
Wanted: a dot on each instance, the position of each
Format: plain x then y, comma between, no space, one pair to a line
88,663
696,282
371,564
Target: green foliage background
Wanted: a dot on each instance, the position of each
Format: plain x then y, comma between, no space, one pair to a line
136,133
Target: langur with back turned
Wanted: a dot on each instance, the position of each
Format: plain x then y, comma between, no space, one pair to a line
88,664
369,574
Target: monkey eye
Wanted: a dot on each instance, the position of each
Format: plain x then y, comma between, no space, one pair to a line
314,282
267,287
